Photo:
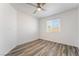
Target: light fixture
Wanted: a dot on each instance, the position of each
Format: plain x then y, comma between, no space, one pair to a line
38,9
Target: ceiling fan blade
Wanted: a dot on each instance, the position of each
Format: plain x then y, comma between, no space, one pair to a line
31,4
42,4
43,9
34,11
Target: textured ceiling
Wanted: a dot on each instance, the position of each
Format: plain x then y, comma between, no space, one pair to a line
50,8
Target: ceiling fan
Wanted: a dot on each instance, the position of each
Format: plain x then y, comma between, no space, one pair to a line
38,6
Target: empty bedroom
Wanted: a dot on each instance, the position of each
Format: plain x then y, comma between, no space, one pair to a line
39,29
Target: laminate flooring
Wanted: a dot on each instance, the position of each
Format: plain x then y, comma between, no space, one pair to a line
44,48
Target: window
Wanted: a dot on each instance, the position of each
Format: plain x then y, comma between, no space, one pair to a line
53,25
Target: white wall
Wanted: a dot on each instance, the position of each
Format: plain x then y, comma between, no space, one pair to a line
16,28
69,28
28,28
8,28
78,28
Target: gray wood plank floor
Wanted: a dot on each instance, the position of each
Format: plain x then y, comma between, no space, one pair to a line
43,48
